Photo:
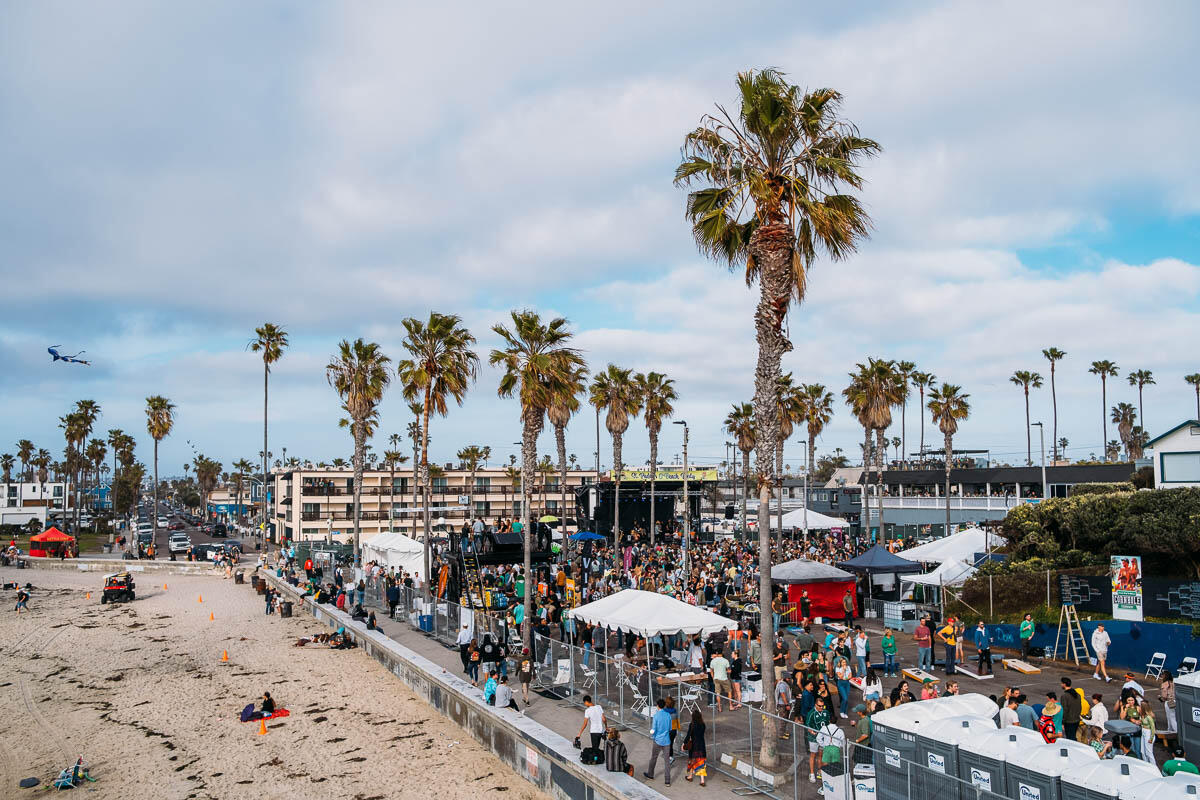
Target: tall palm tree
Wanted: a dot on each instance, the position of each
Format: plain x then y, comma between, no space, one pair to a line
657,393
947,407
391,458
89,412
615,391
1125,417
359,374
116,443
74,433
906,370
739,423
1105,369
160,419
771,194
1194,380
923,381
245,468
874,389
1024,378
562,407
96,452
471,458
7,462
789,416
40,460
1053,355
816,409
1141,378
270,340
26,452
208,473
856,397
537,362
441,366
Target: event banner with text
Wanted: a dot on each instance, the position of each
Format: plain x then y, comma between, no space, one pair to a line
1126,575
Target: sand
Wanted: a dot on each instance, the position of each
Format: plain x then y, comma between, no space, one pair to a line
139,689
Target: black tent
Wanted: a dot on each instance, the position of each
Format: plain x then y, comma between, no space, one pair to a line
878,560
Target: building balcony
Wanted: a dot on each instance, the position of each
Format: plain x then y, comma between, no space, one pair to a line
993,503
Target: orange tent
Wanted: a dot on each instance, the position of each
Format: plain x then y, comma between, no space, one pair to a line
51,541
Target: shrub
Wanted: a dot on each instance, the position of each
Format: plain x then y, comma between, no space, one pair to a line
1101,488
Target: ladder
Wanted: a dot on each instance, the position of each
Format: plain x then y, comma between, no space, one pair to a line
1070,636
472,583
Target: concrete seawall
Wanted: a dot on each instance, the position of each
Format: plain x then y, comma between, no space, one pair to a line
541,756
164,567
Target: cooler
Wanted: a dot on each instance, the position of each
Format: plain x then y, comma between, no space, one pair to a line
752,687
1034,774
937,750
1106,780
983,760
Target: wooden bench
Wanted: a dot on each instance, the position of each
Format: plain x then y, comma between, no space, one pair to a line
1020,666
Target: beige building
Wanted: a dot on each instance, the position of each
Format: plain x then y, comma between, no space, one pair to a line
310,504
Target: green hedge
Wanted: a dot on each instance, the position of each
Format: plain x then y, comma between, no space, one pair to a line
1101,488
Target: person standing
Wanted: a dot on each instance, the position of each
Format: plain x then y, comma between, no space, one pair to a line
862,652
393,597
848,608
718,668
1026,635
817,719
1008,714
1100,644
888,646
805,606
660,739
923,636
1025,713
525,674
697,750
1072,708
1098,716
1166,695
464,648
983,646
594,722
948,636
1179,763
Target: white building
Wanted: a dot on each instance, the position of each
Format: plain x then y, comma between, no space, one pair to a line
1176,456
21,502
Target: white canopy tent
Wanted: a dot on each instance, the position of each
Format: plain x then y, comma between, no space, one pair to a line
816,520
961,546
396,550
650,614
950,573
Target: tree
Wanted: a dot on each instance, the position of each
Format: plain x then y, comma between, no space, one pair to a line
816,410
470,458
615,391
26,452
243,468
6,464
923,381
1125,417
270,340
89,412
896,442
563,406
1063,442
657,393
359,373
739,424
208,472
96,452
789,415
441,366
1024,378
905,369
1106,370
392,458
1053,355
414,434
770,196
827,466
947,407
1194,380
1141,378
160,419
538,363
874,389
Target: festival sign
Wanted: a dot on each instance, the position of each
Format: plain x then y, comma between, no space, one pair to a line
666,474
1126,575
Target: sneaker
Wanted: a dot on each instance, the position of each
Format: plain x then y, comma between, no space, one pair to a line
812,778
1096,677
647,776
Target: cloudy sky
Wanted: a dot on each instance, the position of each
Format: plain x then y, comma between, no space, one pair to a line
176,174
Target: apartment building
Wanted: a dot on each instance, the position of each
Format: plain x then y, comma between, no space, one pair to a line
315,504
21,502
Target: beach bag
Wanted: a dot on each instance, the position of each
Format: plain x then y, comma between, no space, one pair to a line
247,713
591,756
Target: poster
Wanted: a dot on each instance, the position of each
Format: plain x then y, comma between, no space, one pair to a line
1126,575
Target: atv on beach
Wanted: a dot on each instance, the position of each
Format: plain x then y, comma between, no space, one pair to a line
118,587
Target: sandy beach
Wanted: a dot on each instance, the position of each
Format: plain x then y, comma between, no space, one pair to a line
139,689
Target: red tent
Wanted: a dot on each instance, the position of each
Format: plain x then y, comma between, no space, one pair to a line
51,542
52,534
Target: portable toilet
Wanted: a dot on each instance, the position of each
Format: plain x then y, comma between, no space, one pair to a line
894,734
1106,779
1187,713
1034,774
972,705
1180,786
937,751
983,761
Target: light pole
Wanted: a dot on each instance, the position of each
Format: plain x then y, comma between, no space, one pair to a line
687,516
1042,438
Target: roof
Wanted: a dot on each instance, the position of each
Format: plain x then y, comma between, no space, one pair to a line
801,570
650,614
52,534
1184,424
879,559
961,546
797,518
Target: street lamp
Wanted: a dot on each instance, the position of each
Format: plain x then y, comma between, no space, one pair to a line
687,516
1042,438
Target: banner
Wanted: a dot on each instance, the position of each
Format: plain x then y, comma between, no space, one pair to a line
1126,575
666,474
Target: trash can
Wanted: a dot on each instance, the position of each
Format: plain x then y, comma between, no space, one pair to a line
239,577
1107,779
863,781
1034,774
285,608
983,760
1180,786
835,782
260,585
426,621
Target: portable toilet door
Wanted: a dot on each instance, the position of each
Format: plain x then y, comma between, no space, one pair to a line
894,734
937,751
1180,786
1034,774
1187,713
983,761
1106,779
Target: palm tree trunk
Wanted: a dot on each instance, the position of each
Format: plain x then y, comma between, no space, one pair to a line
266,380
360,439
1198,401
745,486
866,484
1104,414
391,500
1028,435
1141,418
617,467
653,473
529,436
427,494
560,443
154,513
812,454
1054,406
922,410
779,483
904,424
880,450
949,453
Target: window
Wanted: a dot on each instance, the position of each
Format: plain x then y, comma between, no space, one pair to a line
58,491
1180,467
516,512
483,509
400,485
552,506
439,483
483,484
310,508
349,510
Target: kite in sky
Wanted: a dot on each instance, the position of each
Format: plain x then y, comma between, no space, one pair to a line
75,359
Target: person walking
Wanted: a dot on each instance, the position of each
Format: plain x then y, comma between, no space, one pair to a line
464,649
594,722
697,750
660,739
1100,644
983,647
1072,709
525,674
1026,635
862,652
1166,695
817,719
718,669
393,598
923,636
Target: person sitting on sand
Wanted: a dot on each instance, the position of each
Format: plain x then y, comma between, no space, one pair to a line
268,704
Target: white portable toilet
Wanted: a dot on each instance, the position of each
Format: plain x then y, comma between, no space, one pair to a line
1106,779
1180,786
1034,774
937,751
972,705
983,760
894,733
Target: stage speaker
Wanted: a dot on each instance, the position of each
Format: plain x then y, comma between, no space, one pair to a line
729,511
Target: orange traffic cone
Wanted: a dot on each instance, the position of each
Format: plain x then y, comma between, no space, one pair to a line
224,654
200,598
210,617
87,596
262,727
164,587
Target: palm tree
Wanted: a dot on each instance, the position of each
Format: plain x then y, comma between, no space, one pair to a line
657,392
816,410
442,366
874,389
1063,442
537,364
923,381
1194,380
1106,370
906,370
359,374
1024,378
414,434
1141,378
270,340
739,424
470,458
245,468
770,196
1053,354
41,461
562,407
1125,417
89,412
789,415
6,464
96,452
947,407
896,442
160,419
615,391
73,425
390,459
208,472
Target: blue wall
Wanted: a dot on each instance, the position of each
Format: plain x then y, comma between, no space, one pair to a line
1132,642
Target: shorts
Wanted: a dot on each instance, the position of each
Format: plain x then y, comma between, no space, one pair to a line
723,687
812,746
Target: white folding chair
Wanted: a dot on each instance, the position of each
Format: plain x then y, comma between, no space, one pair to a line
1155,667
1187,665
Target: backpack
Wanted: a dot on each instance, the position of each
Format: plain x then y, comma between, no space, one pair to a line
591,756
247,713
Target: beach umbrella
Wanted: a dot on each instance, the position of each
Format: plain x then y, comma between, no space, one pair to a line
587,536
548,518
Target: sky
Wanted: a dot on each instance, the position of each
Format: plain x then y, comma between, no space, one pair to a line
174,175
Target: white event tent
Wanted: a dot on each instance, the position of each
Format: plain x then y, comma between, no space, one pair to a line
961,546
650,614
948,573
396,550
795,519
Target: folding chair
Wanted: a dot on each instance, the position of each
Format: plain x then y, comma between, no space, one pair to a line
1186,666
1155,667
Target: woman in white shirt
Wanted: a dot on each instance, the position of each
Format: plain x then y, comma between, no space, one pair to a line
872,686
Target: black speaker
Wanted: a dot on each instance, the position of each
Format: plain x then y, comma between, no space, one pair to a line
729,514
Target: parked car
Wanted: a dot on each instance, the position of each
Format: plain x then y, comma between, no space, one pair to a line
220,530
179,543
176,526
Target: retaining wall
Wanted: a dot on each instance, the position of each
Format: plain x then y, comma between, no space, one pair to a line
164,567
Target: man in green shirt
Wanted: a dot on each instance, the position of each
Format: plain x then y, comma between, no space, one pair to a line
1179,764
862,728
1026,635
816,719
